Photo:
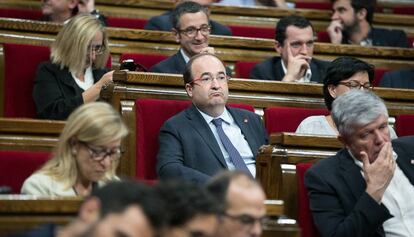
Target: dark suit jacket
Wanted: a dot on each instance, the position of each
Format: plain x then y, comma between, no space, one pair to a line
338,201
189,150
385,37
164,23
398,79
271,69
56,93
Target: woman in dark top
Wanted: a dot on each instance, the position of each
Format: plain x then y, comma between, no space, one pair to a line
76,71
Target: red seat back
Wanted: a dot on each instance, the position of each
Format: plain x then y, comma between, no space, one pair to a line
305,219
30,14
146,60
314,5
404,124
251,31
133,23
243,69
150,116
16,166
379,72
286,119
21,62
323,37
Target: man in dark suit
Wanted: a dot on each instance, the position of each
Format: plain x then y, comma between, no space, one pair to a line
294,42
366,189
398,79
163,22
190,143
352,24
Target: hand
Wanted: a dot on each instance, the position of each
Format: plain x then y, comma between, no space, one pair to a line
379,173
296,66
105,80
209,50
335,31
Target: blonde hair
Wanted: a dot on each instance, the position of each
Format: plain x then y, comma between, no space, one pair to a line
95,123
70,49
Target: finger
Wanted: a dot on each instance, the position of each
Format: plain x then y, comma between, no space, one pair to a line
290,54
365,160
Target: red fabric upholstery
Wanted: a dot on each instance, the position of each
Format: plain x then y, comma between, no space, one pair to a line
314,5
132,23
29,14
251,31
406,10
243,69
323,37
379,72
16,166
146,60
411,42
404,125
21,62
305,219
150,116
284,119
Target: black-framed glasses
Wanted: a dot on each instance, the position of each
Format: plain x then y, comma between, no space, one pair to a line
99,154
97,49
247,220
207,78
193,31
356,85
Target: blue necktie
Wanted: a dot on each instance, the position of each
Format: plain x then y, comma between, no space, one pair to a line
235,156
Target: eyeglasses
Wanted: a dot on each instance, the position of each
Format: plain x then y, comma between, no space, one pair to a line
247,220
207,78
97,49
193,31
98,154
356,85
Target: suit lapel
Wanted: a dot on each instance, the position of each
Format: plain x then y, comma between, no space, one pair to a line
67,79
351,174
202,128
278,70
243,123
179,62
316,76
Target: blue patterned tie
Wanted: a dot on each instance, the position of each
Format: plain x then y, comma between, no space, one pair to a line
235,156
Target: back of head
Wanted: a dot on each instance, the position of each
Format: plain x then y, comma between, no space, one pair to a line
342,69
292,20
70,49
356,108
184,8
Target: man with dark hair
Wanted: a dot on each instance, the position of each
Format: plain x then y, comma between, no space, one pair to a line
294,41
209,136
164,23
366,189
351,23
190,209
243,199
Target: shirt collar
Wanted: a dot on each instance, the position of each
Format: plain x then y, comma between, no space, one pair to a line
186,58
306,78
225,116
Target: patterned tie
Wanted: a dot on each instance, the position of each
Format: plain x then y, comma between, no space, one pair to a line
235,156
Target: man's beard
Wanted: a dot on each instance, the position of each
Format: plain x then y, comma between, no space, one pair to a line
348,30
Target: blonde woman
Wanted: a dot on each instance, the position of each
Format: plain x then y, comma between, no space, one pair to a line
76,71
86,155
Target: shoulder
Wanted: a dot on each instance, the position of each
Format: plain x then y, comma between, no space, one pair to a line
263,70
219,29
37,184
320,63
268,62
328,166
406,141
167,65
315,125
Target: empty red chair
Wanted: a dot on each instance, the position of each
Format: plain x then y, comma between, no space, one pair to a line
146,60
252,31
404,125
29,14
305,218
286,119
243,69
132,23
21,62
16,166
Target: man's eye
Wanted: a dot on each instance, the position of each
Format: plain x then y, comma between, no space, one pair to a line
206,79
295,45
190,30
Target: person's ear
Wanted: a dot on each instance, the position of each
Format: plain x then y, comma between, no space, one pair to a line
90,210
362,14
189,90
176,35
278,47
332,90
73,3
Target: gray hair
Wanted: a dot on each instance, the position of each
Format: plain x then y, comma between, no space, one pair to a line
356,108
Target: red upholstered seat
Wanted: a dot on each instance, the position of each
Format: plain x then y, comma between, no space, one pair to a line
286,119
251,31
30,14
323,37
150,116
305,219
243,69
21,62
16,166
146,60
133,23
406,10
379,72
404,125
314,5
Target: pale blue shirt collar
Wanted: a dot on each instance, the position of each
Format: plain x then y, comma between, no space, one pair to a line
306,78
186,58
225,116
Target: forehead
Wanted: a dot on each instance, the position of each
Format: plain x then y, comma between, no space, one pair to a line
294,33
359,76
207,64
193,19
246,200
382,119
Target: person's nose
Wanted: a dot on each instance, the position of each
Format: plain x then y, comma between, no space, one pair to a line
199,35
106,162
304,50
215,83
335,15
256,230
380,137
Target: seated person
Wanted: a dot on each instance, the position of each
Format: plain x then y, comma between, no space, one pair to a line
366,189
344,74
76,71
86,155
164,21
191,30
352,24
208,136
294,41
403,79
269,3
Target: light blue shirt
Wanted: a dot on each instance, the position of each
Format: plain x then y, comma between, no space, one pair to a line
233,132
